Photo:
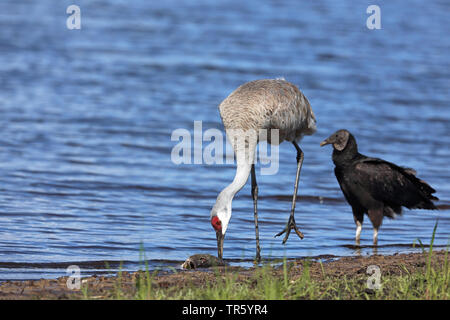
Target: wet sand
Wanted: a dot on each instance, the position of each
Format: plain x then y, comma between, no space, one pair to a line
103,287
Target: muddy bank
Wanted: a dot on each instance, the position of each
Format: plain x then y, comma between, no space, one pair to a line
101,287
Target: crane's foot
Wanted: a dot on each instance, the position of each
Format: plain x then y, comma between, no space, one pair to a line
290,225
257,259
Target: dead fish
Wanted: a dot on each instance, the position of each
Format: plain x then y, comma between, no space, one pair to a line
202,261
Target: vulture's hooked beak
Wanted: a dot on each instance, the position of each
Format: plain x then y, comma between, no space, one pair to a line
325,142
220,238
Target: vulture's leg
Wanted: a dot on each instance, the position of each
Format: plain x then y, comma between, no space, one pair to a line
291,222
358,232
359,218
375,236
376,217
255,211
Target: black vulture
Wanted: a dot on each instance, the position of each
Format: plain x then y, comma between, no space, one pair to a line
373,186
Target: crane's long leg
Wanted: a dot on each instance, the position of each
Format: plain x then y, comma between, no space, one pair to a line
291,222
255,211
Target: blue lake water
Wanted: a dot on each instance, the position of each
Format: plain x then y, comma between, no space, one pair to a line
86,118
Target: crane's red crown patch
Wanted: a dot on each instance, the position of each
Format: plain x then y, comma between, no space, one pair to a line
216,223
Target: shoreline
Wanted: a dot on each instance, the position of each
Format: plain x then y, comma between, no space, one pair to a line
126,284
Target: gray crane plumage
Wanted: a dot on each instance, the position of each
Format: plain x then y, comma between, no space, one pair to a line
269,104
254,106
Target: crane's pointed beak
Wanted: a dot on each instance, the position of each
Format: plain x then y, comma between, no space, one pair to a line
220,238
325,142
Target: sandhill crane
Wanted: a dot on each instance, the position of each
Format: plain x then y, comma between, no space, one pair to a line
374,186
255,107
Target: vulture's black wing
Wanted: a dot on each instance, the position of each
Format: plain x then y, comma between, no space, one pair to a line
345,186
393,185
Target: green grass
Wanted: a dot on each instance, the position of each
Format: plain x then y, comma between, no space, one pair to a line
268,284
279,283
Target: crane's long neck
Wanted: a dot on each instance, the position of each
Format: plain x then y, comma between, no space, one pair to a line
226,196
244,160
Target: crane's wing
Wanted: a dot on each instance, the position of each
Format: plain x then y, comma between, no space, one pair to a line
393,185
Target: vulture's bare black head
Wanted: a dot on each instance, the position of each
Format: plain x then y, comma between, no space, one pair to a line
344,146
